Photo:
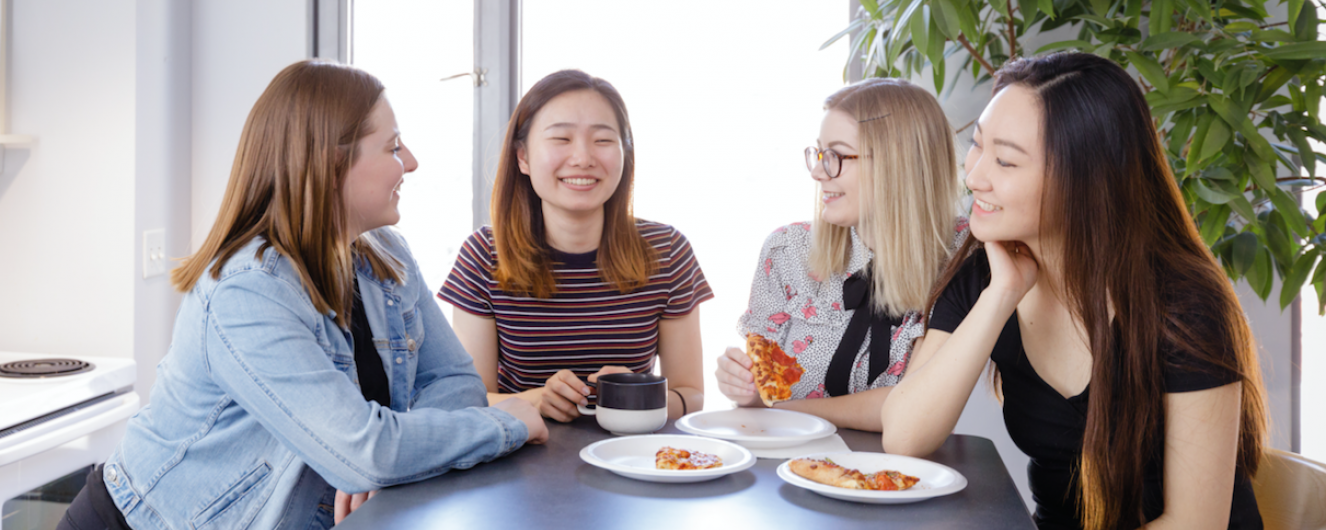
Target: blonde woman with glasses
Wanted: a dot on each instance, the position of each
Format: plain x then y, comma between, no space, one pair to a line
844,293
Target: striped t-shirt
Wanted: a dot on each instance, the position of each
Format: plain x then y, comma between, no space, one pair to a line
588,323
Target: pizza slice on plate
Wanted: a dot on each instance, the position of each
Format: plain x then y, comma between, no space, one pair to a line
682,459
827,472
774,370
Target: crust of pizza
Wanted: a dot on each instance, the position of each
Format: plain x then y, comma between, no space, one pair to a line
774,370
829,473
685,460
826,472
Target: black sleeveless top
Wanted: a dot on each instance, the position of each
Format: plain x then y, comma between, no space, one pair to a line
372,376
1049,428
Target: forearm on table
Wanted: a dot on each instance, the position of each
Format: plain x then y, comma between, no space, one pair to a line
925,406
858,411
532,396
694,401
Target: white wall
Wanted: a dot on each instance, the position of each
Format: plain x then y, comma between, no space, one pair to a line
162,129
137,109
238,47
67,203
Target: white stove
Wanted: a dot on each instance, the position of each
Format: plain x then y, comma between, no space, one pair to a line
52,425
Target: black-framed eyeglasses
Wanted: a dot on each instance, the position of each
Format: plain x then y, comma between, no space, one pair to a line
830,159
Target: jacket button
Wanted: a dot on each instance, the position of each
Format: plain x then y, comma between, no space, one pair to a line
399,360
410,344
389,302
113,475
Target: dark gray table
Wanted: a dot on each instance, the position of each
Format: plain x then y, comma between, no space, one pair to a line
548,486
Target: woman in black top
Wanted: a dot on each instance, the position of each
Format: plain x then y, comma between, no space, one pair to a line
1126,368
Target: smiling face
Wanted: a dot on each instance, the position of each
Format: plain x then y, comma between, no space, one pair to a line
573,153
1006,168
841,195
372,187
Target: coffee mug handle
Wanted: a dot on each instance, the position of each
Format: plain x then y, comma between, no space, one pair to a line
589,411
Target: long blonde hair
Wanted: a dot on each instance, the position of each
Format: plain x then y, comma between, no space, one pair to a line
909,192
297,146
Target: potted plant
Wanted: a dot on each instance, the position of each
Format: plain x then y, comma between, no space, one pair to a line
1236,100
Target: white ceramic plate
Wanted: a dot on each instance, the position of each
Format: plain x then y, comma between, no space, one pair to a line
757,428
937,480
633,457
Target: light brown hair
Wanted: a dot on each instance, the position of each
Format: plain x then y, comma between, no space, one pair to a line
524,260
1126,242
909,190
297,147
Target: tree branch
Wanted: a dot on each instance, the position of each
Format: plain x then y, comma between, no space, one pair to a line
963,39
1274,25
1012,39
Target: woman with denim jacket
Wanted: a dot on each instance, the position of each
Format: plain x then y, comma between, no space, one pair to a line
257,417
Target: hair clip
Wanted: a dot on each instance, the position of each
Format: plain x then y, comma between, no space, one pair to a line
873,119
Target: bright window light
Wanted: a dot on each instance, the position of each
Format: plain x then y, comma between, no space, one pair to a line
410,45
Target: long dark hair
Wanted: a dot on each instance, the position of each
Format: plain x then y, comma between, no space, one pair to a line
1111,206
524,263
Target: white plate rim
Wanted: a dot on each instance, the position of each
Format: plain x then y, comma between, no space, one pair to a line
828,428
747,460
785,473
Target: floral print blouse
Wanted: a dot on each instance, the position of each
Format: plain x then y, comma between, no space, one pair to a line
807,318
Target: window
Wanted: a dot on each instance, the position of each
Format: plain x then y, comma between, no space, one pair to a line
410,45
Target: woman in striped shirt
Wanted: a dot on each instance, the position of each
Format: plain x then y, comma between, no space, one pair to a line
567,283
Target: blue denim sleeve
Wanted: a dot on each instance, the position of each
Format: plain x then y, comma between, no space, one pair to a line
446,378
262,347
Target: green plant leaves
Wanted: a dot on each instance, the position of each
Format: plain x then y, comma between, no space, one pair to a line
1227,79
1162,15
1297,50
1065,44
1245,247
1165,41
946,17
1213,225
1260,276
1216,138
1293,283
1046,6
1149,69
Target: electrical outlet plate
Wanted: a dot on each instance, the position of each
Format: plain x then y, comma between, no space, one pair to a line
154,253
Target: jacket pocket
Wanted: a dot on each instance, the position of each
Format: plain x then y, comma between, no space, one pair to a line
231,496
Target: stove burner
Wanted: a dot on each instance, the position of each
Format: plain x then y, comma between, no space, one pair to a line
44,368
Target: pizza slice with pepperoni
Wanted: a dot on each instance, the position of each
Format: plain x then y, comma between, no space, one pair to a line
774,370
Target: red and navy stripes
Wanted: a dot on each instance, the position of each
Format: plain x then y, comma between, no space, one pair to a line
588,323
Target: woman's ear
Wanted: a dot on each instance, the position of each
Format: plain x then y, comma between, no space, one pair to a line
521,161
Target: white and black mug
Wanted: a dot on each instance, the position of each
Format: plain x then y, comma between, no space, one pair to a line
630,403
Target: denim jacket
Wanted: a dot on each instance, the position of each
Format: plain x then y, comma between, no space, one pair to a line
256,417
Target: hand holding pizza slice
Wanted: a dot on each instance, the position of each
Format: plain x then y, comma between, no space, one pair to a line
775,372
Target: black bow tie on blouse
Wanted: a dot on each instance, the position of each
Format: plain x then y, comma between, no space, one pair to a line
857,290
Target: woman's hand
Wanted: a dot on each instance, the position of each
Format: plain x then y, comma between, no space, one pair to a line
1013,270
735,379
527,414
564,391
347,503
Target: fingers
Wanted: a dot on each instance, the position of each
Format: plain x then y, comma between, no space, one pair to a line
609,370
561,394
341,508
357,500
538,432
739,356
